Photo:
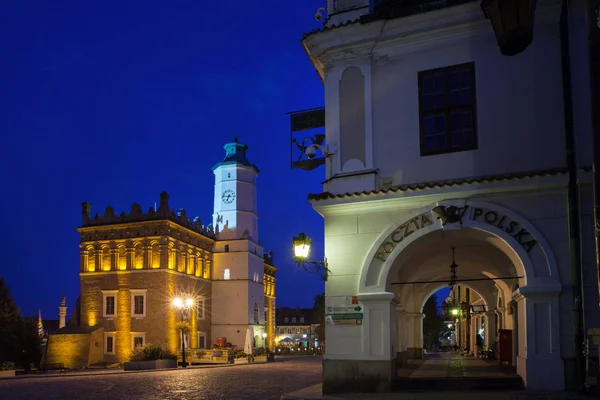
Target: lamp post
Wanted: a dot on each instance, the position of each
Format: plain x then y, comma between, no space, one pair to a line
302,245
183,306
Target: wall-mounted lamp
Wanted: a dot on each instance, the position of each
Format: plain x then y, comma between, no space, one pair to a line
302,245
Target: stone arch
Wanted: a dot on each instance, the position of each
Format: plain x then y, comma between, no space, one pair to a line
375,273
485,296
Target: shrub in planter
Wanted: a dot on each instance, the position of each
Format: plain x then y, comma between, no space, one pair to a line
8,366
150,352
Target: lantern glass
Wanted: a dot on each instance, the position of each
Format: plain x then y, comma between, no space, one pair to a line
301,246
512,21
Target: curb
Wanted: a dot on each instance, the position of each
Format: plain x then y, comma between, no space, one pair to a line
120,372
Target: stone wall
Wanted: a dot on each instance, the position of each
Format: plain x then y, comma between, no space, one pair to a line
75,350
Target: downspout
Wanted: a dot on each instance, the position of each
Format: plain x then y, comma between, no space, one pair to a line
572,199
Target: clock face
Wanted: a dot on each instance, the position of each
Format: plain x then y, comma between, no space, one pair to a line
228,196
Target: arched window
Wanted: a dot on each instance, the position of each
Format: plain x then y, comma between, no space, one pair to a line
256,315
226,274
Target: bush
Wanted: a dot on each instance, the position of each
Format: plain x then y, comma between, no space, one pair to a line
241,354
260,351
7,366
150,352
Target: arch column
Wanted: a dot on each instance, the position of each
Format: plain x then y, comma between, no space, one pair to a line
363,358
490,328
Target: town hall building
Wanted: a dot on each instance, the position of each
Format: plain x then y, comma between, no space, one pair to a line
134,265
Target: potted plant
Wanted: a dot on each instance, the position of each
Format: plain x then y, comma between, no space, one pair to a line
7,368
260,354
148,357
241,358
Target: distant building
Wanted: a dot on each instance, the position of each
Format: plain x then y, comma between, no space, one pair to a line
133,266
296,327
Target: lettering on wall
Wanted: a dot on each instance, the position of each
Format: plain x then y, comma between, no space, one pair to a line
406,229
513,228
491,217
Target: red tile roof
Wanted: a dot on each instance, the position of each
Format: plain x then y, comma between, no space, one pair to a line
447,183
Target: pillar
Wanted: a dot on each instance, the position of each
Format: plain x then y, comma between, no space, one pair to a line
360,358
490,329
147,249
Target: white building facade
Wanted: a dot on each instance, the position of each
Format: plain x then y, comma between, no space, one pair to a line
423,117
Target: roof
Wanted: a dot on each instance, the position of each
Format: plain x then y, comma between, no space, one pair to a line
75,329
446,183
285,312
235,153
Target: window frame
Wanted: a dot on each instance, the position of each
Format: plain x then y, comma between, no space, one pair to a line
112,335
447,109
135,335
105,295
201,308
201,335
134,294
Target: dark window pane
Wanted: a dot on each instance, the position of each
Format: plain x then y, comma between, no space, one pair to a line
438,101
427,84
109,344
428,124
455,121
467,119
464,97
440,123
462,139
454,98
434,143
427,102
439,82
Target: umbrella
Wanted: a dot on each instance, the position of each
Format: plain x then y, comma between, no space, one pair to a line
249,338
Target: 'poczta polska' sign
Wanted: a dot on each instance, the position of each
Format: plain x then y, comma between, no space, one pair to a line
491,217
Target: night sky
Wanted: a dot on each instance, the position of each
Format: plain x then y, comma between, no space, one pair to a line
115,101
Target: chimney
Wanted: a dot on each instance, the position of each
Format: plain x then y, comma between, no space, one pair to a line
86,209
62,312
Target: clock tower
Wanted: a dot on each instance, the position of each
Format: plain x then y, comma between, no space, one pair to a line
238,298
235,213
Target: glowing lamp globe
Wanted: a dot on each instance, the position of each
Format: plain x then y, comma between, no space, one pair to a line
177,302
301,246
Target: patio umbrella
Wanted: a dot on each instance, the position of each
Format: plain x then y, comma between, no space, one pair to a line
248,348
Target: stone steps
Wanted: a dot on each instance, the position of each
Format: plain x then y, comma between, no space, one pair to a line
508,383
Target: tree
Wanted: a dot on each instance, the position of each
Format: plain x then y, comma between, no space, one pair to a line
19,337
319,310
433,322
10,320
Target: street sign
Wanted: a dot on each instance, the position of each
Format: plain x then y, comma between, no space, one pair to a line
346,316
343,309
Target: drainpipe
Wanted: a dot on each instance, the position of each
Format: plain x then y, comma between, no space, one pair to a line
592,16
572,199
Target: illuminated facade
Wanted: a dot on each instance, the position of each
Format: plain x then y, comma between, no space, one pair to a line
133,265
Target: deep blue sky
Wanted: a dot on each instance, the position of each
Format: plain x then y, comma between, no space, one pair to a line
115,101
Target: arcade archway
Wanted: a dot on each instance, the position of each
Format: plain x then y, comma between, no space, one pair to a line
501,256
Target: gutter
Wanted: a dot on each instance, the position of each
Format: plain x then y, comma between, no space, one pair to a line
573,202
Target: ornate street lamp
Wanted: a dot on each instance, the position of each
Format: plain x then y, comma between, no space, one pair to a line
512,21
301,251
183,306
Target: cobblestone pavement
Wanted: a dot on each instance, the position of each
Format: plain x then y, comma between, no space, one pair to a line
244,382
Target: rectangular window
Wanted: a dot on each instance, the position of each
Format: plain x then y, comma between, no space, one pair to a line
302,319
109,343
304,330
202,340
138,303
297,331
200,309
293,320
282,330
447,109
138,339
289,330
109,303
